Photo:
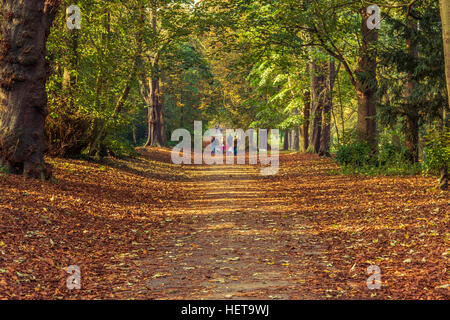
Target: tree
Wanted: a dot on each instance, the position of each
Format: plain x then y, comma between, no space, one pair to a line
325,135
306,115
445,18
170,22
318,92
25,26
412,114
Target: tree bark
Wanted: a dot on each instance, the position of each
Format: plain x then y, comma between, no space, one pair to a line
325,136
366,83
153,98
286,140
295,134
445,17
412,116
318,79
306,115
25,26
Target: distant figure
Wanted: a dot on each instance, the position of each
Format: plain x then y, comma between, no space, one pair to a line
230,145
235,142
213,146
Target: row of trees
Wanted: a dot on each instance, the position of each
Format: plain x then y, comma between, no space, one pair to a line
326,78
136,70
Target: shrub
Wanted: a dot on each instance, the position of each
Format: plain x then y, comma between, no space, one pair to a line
437,151
4,169
356,154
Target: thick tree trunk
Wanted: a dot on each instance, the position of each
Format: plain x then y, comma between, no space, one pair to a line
155,115
325,136
318,79
412,116
366,83
445,17
153,97
25,26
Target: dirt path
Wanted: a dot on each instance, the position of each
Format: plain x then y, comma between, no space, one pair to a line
232,242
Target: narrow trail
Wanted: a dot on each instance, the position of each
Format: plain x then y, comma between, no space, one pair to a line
231,241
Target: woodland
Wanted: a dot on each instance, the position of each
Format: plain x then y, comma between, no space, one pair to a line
92,90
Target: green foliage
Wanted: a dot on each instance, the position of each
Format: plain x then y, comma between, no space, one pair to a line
241,64
437,150
4,170
370,170
119,146
356,154
357,158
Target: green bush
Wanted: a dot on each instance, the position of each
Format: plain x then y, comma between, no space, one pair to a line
390,154
4,169
119,146
437,151
355,154
358,158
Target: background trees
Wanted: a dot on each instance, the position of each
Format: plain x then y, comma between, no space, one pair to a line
137,70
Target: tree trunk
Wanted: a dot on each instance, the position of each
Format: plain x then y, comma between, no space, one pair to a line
296,142
154,101
155,115
445,17
25,26
306,116
412,116
325,136
295,134
286,140
317,99
366,83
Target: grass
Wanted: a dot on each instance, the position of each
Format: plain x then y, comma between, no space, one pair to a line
4,170
385,170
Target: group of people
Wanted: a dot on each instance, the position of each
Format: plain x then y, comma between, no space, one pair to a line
228,148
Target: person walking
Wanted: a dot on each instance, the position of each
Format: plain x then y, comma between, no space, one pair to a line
213,146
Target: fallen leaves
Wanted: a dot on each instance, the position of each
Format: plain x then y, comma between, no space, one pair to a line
144,228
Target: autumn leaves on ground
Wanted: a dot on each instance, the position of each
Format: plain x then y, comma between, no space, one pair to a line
146,229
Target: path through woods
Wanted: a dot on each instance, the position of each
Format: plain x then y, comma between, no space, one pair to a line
145,229
235,240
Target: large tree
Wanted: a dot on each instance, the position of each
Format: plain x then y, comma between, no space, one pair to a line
445,16
24,28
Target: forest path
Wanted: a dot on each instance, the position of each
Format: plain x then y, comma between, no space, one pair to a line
143,228
231,241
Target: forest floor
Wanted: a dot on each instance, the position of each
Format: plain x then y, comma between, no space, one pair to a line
143,228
